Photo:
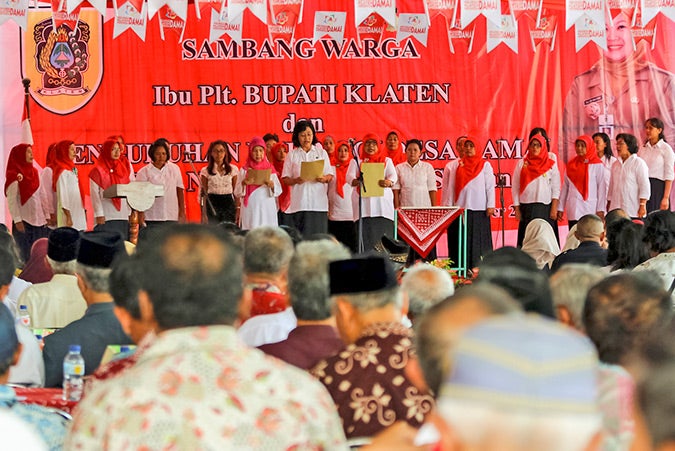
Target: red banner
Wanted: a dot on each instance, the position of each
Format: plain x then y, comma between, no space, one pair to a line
196,91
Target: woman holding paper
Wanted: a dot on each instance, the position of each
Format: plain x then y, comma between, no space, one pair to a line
307,171
258,189
110,213
377,209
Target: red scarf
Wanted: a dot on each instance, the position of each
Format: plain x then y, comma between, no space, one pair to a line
577,167
261,165
62,161
341,169
23,172
535,166
468,169
107,171
124,158
332,157
377,157
285,197
397,155
51,156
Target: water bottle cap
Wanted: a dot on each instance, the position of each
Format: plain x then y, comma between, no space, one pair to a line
23,307
74,348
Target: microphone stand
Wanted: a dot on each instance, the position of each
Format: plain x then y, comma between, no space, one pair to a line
201,189
501,181
362,190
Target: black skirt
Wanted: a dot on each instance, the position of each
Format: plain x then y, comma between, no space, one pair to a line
224,206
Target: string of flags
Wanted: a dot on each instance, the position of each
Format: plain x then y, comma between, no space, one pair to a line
409,19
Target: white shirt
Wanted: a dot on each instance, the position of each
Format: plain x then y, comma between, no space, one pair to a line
48,195
477,195
220,183
103,206
415,183
573,202
165,207
16,288
31,212
54,304
543,189
307,196
372,207
341,208
629,183
270,328
660,160
607,163
262,204
31,367
68,198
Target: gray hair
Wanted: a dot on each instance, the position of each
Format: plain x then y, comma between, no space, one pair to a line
426,285
371,300
657,401
570,285
309,279
267,250
68,267
98,279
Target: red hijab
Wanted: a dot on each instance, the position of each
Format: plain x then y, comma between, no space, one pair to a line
62,161
378,157
124,158
468,169
107,171
397,155
341,168
261,165
285,197
21,171
331,156
37,270
535,165
577,167
51,156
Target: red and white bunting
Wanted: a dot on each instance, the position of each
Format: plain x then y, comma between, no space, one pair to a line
178,8
284,17
506,32
628,7
386,9
413,25
170,21
98,5
130,15
588,30
15,10
460,37
205,6
471,9
650,8
575,10
445,8
60,16
220,25
258,8
545,32
331,24
529,8
645,32
371,28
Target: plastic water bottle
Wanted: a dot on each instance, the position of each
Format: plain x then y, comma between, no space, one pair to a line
24,316
73,374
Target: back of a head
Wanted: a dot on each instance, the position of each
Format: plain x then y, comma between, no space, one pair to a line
657,401
267,250
193,276
426,285
439,328
308,278
9,341
570,285
517,273
7,266
7,242
590,228
125,283
522,382
367,282
622,311
625,248
615,215
659,231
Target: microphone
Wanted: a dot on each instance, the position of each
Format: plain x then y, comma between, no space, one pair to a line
351,141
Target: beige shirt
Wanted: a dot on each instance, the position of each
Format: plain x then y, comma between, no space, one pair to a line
53,304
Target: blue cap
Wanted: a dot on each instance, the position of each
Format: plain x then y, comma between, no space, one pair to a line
74,348
524,363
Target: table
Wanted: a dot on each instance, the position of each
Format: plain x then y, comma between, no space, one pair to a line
47,397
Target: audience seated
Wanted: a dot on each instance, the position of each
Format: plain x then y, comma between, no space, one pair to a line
198,386
266,316
425,285
591,234
540,243
315,338
36,269
659,237
99,327
367,379
569,288
59,302
625,249
50,425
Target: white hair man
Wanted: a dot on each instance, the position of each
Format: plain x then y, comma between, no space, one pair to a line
425,285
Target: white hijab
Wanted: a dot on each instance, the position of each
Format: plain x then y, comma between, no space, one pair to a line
540,243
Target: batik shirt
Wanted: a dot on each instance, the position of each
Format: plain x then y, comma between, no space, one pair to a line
368,383
201,388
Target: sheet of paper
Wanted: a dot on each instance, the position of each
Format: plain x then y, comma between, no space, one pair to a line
372,174
258,176
310,170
